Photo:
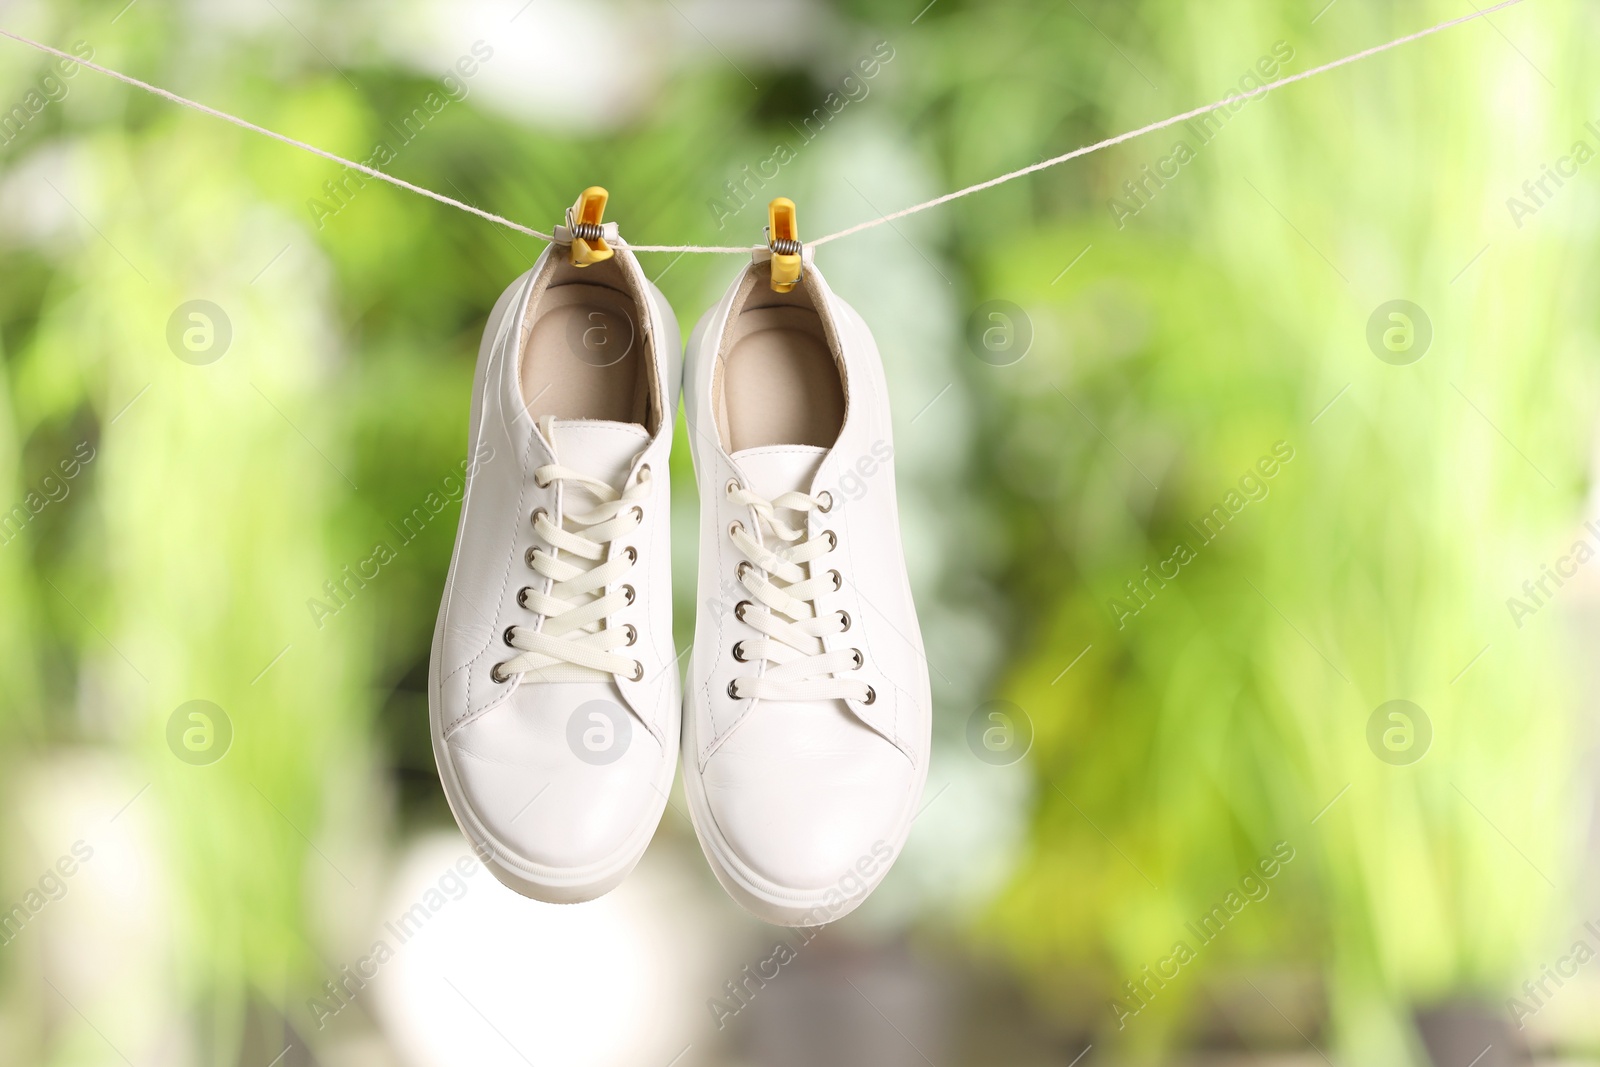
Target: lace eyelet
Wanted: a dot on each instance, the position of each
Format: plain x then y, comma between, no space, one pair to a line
633,635
627,591
532,554
742,569
872,696
499,676
820,506
540,482
644,472
537,514
732,486
838,580
638,670
733,689
508,635
859,658
738,652
522,597
632,554
638,513
738,609
833,539
844,617
732,526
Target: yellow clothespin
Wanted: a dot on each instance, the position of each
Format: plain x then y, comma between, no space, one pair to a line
783,237
583,220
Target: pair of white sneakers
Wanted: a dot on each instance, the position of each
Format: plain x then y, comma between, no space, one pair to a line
553,683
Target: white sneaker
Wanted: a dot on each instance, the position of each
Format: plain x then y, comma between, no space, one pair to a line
807,717
552,687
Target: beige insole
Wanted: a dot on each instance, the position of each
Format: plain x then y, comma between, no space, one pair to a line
780,385
584,357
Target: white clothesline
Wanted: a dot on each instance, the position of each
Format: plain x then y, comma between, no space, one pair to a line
859,227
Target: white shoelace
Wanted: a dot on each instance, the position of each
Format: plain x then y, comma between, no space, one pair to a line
784,611
574,641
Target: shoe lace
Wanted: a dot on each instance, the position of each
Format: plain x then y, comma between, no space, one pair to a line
573,640
792,664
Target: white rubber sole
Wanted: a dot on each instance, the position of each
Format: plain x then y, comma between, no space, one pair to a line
552,885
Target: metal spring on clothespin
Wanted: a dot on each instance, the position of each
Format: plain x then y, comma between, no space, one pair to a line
584,226
783,238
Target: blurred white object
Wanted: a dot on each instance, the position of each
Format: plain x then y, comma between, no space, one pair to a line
543,69
490,978
542,58
89,908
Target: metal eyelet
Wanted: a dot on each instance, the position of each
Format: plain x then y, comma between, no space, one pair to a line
732,526
542,484
744,567
644,472
638,513
499,677
638,670
522,596
844,617
732,486
825,508
631,553
532,553
633,635
738,609
627,591
731,689
838,580
508,635
537,512
738,652
872,696
833,539
858,657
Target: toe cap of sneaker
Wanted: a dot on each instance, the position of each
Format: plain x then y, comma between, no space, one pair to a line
554,796
810,799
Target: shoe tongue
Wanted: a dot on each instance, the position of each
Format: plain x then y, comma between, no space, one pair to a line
600,449
779,469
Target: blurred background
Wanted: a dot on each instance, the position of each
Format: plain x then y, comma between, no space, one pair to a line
1245,471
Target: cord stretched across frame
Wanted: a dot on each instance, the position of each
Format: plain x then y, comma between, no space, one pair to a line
1044,164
